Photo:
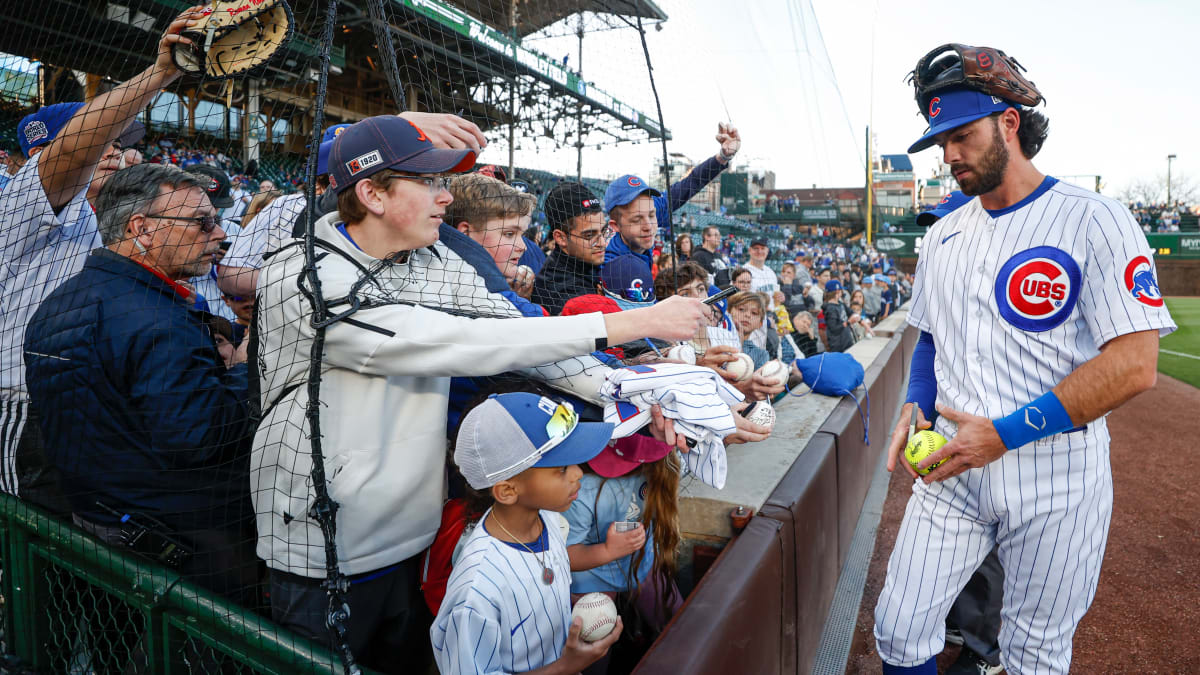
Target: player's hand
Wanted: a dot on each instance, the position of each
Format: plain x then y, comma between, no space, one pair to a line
900,437
578,654
728,137
662,429
447,131
757,388
716,356
620,544
675,319
976,444
747,431
164,63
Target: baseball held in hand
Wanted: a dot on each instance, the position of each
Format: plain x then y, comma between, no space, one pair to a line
760,412
775,372
599,616
684,352
742,368
922,445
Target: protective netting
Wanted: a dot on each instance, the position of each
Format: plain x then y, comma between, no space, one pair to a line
250,285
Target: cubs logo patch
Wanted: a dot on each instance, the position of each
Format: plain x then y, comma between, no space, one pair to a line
1140,282
935,107
1036,289
213,185
364,162
634,181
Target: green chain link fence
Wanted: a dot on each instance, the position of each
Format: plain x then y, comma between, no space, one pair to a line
71,604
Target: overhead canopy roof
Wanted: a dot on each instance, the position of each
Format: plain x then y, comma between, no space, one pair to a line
534,15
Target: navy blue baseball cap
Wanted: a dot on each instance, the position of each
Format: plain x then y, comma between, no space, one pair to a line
833,285
626,189
954,108
509,433
327,144
389,142
628,280
949,203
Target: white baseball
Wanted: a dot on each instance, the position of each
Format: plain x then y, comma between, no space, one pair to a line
762,413
599,616
684,352
524,273
774,371
742,368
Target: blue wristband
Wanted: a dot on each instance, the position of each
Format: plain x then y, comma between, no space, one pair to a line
1045,416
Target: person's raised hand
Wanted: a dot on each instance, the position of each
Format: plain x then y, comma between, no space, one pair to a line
728,137
447,131
757,388
675,319
164,61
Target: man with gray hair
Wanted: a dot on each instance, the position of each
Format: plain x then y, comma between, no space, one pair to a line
144,422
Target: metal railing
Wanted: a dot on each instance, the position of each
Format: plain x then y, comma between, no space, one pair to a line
71,604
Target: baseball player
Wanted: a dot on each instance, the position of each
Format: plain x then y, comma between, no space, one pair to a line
1034,325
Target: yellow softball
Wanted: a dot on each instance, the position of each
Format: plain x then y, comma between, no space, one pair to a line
922,445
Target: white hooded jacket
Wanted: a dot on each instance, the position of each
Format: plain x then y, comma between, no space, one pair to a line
385,380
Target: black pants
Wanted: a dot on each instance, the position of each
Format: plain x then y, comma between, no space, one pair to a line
388,629
976,612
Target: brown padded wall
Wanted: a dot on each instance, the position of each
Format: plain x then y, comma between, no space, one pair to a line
806,501
731,623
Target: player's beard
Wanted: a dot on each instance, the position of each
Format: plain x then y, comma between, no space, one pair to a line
989,174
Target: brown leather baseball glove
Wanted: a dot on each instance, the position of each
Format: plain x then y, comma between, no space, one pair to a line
232,37
983,69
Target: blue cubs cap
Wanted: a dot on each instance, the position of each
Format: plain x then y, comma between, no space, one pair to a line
952,109
509,433
626,189
326,145
41,127
949,203
389,142
627,278
833,285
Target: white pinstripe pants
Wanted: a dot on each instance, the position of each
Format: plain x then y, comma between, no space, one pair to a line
14,410
1048,506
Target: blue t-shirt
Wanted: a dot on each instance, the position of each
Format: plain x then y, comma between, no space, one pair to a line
622,498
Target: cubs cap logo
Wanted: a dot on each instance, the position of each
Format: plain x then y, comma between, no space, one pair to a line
634,181
1036,289
213,185
1140,282
935,107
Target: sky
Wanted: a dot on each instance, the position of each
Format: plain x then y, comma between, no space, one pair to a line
802,79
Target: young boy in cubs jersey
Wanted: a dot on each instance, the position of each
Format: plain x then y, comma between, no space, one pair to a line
507,605
1039,313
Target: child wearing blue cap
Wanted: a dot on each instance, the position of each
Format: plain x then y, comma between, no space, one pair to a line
507,604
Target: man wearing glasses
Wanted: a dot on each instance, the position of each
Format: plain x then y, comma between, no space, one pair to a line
139,413
47,228
580,236
418,315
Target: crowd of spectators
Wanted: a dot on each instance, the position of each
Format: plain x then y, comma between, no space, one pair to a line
157,339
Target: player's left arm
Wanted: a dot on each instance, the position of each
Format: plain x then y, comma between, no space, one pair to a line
1126,366
704,173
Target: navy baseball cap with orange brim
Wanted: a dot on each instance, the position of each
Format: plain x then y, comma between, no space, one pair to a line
952,109
389,142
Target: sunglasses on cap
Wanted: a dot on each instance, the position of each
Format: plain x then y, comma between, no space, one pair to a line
561,424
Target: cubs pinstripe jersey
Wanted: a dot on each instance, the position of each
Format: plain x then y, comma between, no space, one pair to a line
498,616
1018,298
39,249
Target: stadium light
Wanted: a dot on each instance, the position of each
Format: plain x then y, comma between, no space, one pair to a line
1169,159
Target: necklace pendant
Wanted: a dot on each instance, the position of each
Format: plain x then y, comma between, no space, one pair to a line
547,576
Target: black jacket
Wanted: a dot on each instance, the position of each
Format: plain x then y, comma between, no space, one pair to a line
562,278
